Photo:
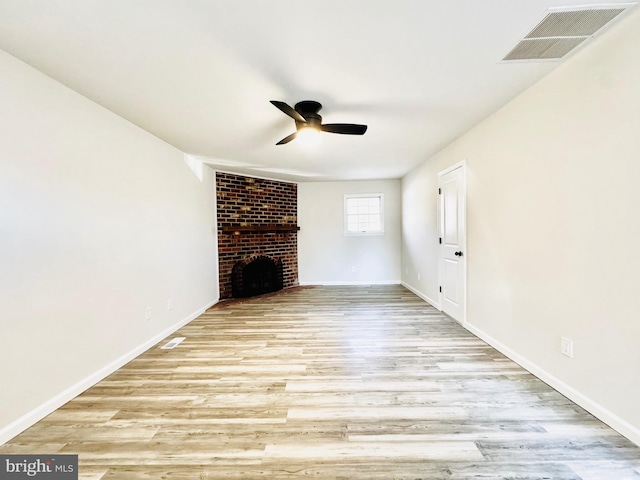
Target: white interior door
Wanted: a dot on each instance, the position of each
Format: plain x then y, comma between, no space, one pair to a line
453,242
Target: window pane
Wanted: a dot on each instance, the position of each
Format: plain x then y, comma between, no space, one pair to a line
363,214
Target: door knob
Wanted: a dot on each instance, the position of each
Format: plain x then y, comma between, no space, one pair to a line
458,254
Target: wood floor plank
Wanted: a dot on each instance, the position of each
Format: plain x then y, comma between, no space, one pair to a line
366,382
371,451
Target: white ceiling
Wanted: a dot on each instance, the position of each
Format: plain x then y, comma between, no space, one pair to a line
199,74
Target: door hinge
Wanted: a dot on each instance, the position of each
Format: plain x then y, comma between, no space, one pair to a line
439,191
440,289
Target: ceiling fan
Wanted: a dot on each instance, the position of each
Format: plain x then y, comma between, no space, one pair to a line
306,116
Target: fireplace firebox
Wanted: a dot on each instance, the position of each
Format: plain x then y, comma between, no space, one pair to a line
256,276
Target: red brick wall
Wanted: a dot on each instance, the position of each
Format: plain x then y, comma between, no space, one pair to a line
246,201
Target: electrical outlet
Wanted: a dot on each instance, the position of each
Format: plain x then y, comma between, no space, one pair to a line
170,304
353,269
566,347
418,276
148,313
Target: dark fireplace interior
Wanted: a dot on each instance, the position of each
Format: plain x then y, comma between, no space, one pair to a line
260,275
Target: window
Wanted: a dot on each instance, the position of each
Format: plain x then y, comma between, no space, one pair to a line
364,214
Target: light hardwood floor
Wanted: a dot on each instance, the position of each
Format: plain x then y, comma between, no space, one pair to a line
329,382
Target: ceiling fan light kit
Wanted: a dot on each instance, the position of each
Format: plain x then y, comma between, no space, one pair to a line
308,136
308,121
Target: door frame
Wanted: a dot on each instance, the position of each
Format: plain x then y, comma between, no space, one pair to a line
463,165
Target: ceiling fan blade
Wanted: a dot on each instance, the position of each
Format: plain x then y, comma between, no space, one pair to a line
287,139
344,128
289,111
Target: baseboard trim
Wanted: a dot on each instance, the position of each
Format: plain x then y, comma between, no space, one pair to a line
27,420
348,282
618,424
430,301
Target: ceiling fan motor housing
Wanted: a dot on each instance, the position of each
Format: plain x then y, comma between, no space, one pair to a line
307,106
309,110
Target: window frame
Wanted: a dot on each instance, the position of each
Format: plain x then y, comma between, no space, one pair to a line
347,197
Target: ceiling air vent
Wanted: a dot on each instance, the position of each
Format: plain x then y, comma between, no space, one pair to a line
563,30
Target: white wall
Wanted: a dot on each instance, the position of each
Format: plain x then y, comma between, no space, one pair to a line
553,226
326,255
98,221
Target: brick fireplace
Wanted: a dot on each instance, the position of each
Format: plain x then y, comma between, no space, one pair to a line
257,220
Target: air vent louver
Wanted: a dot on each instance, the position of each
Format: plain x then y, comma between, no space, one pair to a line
562,31
545,48
173,343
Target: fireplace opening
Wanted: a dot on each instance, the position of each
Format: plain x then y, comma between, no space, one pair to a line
260,275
